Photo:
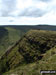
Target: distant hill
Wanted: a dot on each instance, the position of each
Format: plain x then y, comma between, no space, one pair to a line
35,51
27,27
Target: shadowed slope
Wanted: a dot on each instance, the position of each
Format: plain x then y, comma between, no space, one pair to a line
4,40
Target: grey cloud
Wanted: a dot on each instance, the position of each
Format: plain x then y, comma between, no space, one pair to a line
35,12
7,7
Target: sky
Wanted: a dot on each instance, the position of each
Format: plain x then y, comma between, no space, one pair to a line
27,12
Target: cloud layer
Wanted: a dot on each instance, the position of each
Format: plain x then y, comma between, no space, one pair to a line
34,8
8,6
28,11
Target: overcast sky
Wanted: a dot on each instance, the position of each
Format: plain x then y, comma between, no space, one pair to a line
27,12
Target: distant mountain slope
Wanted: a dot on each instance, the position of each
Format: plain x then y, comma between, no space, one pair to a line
14,34
32,47
9,36
4,39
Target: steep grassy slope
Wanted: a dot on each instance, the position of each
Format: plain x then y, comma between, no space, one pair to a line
11,59
48,62
36,46
14,34
9,36
4,39
35,43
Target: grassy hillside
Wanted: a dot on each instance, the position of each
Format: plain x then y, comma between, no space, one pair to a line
48,62
14,34
35,51
35,43
11,34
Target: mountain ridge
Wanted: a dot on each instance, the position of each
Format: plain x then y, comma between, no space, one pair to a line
31,47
